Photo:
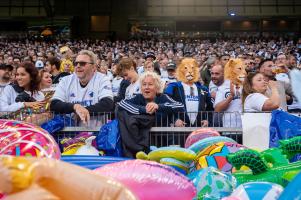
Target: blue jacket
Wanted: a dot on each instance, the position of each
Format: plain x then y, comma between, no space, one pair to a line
176,92
164,115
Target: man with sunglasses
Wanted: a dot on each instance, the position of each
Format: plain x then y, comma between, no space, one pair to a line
85,92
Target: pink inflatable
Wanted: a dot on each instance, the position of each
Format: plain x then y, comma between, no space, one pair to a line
199,135
150,180
24,139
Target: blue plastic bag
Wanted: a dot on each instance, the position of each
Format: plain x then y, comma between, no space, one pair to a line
109,140
57,123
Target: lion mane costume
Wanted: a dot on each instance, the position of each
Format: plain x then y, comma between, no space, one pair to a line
235,71
188,71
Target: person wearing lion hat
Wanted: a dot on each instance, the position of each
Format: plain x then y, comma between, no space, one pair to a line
189,91
228,95
66,61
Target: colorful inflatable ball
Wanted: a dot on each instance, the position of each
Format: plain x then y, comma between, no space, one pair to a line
150,180
215,156
212,183
200,134
24,139
257,190
44,178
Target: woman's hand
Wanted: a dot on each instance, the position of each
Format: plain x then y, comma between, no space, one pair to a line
151,107
34,105
179,123
273,84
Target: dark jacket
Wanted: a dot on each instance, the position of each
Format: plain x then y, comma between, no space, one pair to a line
176,92
164,115
134,132
121,94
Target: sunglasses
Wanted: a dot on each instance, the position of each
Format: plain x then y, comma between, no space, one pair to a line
81,63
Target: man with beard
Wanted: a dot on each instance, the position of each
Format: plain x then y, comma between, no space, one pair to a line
5,75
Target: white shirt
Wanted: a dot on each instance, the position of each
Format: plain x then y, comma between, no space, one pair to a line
116,85
2,86
191,101
69,90
8,97
254,102
283,77
132,90
232,116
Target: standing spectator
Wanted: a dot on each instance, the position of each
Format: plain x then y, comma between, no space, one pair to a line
284,89
128,67
171,71
5,76
25,94
205,71
84,92
224,59
217,79
254,90
53,67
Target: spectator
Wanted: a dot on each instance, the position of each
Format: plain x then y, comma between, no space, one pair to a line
84,92
53,67
171,71
5,76
128,67
224,59
24,94
284,89
254,90
217,79
205,71
46,81
135,125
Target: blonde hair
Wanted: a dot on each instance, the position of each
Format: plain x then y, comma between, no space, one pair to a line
93,56
155,76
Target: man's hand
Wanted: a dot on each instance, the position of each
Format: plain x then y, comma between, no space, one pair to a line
151,107
204,123
82,112
179,123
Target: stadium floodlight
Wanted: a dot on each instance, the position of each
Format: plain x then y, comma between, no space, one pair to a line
232,14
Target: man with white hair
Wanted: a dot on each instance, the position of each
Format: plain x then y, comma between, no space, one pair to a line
84,92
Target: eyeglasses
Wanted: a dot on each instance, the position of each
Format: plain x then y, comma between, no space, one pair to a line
81,63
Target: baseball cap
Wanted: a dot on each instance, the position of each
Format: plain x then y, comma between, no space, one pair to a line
171,66
150,55
39,64
5,66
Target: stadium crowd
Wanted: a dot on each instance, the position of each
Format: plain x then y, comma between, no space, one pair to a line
87,76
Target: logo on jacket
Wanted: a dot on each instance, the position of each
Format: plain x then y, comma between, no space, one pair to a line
91,94
107,87
72,95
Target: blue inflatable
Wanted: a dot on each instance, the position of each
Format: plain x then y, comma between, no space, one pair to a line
292,190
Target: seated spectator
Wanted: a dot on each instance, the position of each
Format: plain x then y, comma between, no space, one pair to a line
135,125
254,90
171,71
85,92
46,81
24,94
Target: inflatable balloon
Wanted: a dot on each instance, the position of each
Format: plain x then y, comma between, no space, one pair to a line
87,149
178,153
202,144
176,164
200,134
212,183
150,180
268,166
43,178
292,190
24,139
215,156
257,190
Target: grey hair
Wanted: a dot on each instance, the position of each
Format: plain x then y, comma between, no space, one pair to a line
92,55
156,77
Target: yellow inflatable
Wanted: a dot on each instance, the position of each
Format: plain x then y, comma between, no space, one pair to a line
41,178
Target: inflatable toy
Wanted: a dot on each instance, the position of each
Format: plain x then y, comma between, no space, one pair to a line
215,156
292,190
176,164
270,165
71,145
199,135
150,180
87,149
212,183
202,144
178,153
257,190
43,178
24,139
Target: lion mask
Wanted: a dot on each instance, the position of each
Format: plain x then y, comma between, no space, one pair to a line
188,71
235,71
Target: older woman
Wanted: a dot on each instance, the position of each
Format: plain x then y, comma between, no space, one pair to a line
137,115
253,96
